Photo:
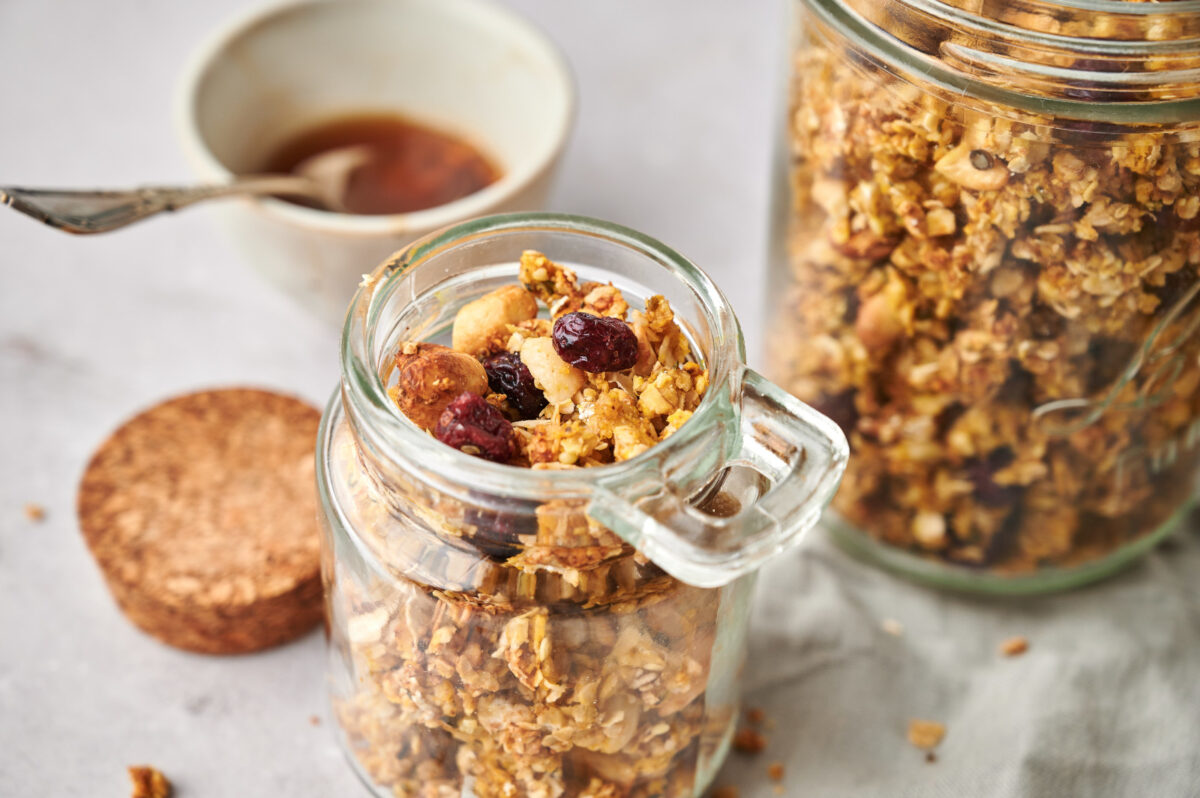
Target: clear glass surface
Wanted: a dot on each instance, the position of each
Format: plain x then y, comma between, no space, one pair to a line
499,631
985,256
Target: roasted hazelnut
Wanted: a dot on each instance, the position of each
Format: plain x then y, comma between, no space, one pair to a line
430,376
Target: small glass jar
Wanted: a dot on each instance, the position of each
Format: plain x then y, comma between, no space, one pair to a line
500,631
984,267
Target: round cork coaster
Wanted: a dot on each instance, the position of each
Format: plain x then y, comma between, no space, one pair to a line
202,514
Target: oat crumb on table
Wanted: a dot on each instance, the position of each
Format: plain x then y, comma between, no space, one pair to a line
749,741
1014,646
892,627
35,512
775,771
726,792
148,782
925,734
755,716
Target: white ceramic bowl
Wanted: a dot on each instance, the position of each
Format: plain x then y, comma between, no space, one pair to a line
465,66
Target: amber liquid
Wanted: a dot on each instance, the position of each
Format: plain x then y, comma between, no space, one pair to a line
412,167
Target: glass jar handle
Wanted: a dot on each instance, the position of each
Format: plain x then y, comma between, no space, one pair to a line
800,452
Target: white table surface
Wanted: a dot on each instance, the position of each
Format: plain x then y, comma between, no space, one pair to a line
673,138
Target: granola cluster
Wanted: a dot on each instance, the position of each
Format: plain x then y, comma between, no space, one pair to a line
588,416
999,312
527,651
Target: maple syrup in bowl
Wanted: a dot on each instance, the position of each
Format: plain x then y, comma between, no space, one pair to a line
466,105
406,166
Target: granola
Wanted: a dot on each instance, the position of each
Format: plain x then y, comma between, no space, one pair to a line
1014,646
526,650
999,313
148,782
925,734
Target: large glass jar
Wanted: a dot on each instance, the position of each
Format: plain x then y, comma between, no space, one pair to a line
985,254
500,631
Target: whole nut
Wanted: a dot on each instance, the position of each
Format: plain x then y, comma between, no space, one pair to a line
973,168
929,530
557,378
481,327
884,317
430,376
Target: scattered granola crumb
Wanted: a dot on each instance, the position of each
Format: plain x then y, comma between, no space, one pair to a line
148,782
722,505
925,734
778,789
749,741
775,771
726,792
35,512
1014,646
930,757
755,716
314,720
892,627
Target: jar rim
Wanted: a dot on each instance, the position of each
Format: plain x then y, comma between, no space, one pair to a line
400,438
1011,63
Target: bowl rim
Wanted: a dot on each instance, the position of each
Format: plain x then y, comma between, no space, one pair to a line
205,164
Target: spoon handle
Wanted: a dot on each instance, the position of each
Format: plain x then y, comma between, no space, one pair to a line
100,211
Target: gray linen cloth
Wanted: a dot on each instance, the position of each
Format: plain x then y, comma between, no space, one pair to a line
1105,702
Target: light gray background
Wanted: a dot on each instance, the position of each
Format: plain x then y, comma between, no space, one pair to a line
673,138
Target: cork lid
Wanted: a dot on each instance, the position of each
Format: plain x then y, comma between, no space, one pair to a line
202,514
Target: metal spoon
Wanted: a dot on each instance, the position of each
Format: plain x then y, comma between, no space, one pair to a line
322,178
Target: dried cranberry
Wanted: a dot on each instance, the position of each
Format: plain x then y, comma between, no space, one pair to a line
982,470
595,343
853,303
840,409
948,415
1019,388
1108,358
508,375
473,426
1175,285
1045,322
497,533
1002,543
1102,89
